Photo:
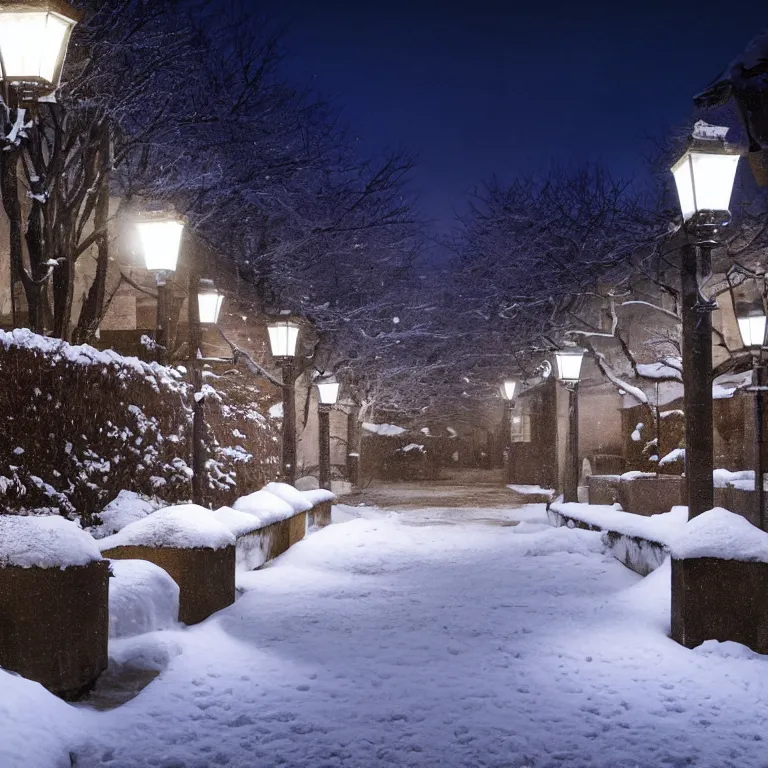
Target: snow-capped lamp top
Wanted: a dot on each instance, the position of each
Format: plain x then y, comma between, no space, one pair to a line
34,37
721,534
44,542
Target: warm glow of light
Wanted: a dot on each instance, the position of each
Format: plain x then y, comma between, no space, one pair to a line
209,301
752,330
569,364
704,181
508,389
161,242
328,392
283,336
33,44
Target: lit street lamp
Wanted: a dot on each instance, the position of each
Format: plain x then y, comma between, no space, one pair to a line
327,396
160,237
568,369
209,302
749,309
704,177
283,338
507,390
34,36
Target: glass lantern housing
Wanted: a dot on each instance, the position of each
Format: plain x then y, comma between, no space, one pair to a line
752,330
507,389
705,174
209,302
34,36
569,364
328,392
283,335
161,243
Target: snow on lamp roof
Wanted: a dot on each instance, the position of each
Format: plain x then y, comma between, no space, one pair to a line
721,534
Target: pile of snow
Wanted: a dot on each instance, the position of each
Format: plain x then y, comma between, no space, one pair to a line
307,483
728,384
659,528
238,523
276,411
318,496
743,480
142,598
635,473
44,542
722,534
185,526
678,454
385,430
289,495
126,508
532,490
412,447
264,505
35,726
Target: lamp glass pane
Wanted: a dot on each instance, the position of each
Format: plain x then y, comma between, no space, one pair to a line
752,330
569,365
684,183
161,241
282,338
209,303
328,392
508,389
713,177
32,43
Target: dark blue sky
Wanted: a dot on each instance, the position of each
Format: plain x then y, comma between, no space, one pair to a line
477,88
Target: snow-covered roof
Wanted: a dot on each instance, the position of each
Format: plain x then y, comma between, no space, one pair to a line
185,526
722,534
289,495
44,542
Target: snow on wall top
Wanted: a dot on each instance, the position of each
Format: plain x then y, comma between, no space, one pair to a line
289,495
44,542
318,496
264,505
238,523
126,508
185,526
722,534
84,354
385,430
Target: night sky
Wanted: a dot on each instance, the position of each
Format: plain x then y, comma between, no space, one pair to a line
477,88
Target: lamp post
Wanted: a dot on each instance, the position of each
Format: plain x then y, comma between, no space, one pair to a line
568,366
160,237
204,305
704,177
283,337
749,309
327,396
507,390
34,37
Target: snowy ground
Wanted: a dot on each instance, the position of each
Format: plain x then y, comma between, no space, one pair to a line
377,642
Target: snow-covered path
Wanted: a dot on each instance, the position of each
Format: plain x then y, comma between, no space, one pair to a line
379,643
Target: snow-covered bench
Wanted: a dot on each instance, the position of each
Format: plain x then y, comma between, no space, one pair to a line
640,543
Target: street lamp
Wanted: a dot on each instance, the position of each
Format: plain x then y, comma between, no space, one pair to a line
283,338
209,302
704,177
160,236
507,390
749,309
34,36
568,369
327,396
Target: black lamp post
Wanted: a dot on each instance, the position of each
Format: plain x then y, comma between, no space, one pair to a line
507,390
749,308
704,177
327,396
283,337
160,236
568,366
204,303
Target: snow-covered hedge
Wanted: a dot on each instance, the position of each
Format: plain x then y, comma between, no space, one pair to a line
81,424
